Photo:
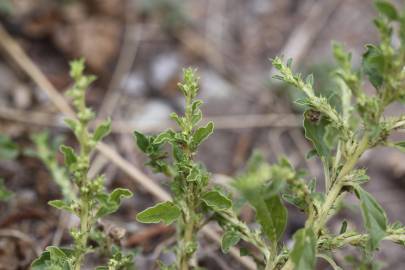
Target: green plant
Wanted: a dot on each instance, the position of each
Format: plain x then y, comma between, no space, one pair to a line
340,134
340,131
193,198
92,202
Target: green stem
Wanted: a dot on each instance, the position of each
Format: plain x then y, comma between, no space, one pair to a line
84,228
185,255
334,192
246,234
337,185
85,222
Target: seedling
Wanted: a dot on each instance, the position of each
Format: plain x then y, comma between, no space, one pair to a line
92,202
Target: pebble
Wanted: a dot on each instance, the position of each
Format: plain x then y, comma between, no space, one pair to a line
153,113
163,69
213,86
134,84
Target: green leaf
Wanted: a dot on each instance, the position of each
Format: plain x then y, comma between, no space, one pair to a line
165,136
179,120
69,155
5,194
8,149
102,130
387,9
196,112
271,215
142,141
62,205
53,258
260,185
216,200
229,239
195,175
279,215
178,153
43,262
303,253
374,217
120,193
109,203
315,130
165,212
373,65
202,133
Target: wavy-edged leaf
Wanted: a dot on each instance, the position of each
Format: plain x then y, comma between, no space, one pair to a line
202,133
62,205
163,137
166,212
216,200
109,203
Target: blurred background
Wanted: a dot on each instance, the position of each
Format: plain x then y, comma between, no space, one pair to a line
137,49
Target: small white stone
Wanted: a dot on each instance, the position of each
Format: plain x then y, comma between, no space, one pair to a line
213,86
163,68
153,113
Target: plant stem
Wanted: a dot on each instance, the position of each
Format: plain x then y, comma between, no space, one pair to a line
334,192
185,254
84,201
84,232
